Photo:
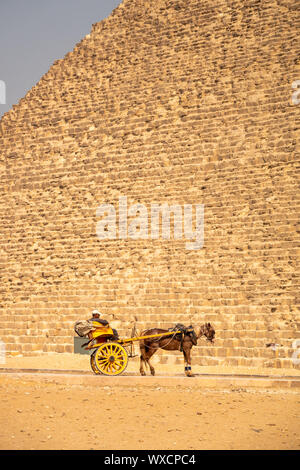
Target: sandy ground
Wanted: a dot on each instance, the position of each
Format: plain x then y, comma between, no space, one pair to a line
56,416
49,415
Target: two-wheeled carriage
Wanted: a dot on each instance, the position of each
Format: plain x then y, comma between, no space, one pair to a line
109,356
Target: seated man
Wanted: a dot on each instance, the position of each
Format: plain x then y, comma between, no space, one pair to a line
96,318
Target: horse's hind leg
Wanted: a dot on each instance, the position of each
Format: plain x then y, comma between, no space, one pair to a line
142,371
150,353
142,358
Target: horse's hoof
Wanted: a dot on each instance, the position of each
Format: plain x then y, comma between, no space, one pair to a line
152,372
143,373
190,375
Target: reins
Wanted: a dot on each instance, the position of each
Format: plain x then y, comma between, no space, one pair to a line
160,337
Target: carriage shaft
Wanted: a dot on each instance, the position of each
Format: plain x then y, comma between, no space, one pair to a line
137,338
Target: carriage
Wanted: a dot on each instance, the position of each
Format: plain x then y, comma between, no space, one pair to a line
109,355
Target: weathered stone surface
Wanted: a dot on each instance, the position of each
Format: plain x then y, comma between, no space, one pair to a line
183,102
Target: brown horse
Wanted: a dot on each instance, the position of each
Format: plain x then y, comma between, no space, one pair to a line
172,343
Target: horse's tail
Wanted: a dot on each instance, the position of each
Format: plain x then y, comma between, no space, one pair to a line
144,346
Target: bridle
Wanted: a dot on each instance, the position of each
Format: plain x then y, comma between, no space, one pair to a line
203,332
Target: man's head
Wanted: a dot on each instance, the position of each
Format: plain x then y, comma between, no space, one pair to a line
96,314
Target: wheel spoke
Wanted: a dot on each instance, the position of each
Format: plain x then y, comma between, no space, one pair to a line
102,359
120,356
119,363
103,365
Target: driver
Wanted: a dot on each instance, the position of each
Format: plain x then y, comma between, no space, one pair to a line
96,318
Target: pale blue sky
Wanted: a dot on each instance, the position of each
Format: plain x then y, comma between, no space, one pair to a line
35,33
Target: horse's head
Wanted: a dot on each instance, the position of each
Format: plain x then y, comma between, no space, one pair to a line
207,330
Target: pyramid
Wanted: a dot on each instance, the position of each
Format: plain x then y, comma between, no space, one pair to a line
184,102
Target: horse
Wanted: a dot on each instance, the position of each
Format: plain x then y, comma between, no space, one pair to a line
175,342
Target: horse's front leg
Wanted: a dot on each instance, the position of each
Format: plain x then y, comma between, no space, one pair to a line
187,362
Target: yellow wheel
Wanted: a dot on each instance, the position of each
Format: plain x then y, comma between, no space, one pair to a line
111,359
93,365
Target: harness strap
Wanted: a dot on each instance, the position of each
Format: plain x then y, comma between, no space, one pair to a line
184,331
